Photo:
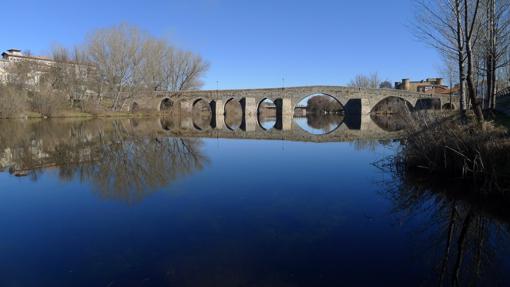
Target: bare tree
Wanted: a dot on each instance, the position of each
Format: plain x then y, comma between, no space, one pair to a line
184,71
129,61
452,27
495,43
471,21
371,81
117,54
120,63
155,56
439,24
71,74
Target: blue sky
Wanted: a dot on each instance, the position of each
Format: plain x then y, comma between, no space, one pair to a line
249,44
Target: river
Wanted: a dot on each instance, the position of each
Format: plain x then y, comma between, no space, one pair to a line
142,202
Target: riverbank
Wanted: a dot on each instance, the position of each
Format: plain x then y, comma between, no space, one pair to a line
445,148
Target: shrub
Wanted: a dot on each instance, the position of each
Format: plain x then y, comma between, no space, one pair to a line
49,102
446,147
91,105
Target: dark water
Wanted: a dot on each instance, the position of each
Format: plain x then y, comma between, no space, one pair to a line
127,203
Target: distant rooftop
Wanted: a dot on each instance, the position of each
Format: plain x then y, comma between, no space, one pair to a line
15,52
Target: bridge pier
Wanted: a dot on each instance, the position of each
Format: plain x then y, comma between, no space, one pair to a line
287,107
186,107
360,106
249,106
287,122
219,114
366,107
187,122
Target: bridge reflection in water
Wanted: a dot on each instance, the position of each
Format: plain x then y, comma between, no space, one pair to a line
129,157
312,128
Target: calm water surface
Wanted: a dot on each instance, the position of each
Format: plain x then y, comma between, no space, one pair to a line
126,203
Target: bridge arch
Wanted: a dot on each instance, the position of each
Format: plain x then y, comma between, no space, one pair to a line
320,94
309,128
233,113
165,104
325,117
167,124
391,105
201,114
268,113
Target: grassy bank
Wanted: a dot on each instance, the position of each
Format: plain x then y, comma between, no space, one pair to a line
446,148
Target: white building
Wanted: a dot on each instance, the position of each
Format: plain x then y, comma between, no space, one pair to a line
12,56
41,65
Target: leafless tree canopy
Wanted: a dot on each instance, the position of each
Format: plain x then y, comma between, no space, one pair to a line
475,35
371,81
129,60
113,65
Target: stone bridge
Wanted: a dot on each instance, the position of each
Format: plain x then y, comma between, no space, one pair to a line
355,101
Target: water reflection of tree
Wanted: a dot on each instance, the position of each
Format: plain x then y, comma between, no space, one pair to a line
391,122
467,232
370,144
122,162
324,122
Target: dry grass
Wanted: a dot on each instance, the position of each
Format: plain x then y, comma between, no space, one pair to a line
445,147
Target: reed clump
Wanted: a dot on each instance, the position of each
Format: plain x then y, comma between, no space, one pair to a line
451,149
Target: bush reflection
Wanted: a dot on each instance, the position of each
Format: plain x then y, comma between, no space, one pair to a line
463,234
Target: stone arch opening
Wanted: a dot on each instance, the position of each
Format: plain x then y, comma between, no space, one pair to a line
233,114
166,105
267,114
392,105
201,114
448,107
319,102
319,114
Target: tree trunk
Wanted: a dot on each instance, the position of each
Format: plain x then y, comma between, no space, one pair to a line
460,55
491,51
477,109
